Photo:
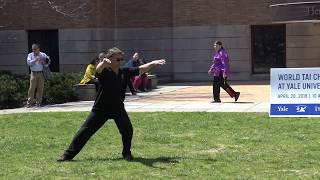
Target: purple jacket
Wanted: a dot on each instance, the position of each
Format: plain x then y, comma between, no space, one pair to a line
220,63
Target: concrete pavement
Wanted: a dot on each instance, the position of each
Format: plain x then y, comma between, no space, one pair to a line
179,97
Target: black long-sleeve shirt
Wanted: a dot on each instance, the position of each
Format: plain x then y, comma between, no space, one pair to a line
111,94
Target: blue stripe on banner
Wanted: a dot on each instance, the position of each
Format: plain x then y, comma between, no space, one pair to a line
295,109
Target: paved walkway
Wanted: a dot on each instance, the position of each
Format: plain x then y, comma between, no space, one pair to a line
179,97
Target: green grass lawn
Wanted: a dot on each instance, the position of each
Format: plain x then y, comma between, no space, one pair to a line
165,146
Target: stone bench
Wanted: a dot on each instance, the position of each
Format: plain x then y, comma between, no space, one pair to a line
152,81
85,92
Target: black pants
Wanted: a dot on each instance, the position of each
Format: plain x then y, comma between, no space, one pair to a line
93,123
132,90
218,82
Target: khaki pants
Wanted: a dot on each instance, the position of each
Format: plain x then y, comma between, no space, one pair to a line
36,84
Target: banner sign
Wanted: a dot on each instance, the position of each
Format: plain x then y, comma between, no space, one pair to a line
296,12
295,92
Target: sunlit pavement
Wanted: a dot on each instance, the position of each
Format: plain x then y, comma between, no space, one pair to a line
178,97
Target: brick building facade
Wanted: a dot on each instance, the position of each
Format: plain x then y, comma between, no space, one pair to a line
182,31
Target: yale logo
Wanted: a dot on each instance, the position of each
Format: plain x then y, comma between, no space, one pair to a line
282,109
301,108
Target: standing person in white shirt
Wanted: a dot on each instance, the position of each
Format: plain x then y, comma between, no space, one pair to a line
36,60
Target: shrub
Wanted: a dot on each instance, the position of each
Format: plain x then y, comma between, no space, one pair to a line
60,88
14,89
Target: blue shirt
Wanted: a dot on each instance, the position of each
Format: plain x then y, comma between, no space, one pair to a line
132,63
34,64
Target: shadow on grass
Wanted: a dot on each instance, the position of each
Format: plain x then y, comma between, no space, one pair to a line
150,162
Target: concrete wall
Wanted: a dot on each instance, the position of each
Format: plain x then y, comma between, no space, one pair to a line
13,51
78,46
193,49
303,45
151,43
188,50
182,31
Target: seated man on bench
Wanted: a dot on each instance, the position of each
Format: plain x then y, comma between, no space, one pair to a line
140,82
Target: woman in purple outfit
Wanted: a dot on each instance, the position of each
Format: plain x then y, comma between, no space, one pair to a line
220,71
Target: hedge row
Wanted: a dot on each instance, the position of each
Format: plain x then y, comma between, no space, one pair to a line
14,89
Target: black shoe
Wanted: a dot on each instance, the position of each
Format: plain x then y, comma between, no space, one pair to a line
127,157
236,97
216,101
63,158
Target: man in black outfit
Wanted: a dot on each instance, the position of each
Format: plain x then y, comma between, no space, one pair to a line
109,103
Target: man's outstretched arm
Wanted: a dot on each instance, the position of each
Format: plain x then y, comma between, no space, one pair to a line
155,63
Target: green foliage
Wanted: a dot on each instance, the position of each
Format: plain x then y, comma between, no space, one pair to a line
14,89
60,88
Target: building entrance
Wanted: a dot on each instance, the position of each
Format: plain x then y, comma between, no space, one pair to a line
49,44
268,47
